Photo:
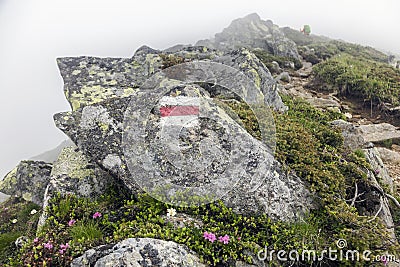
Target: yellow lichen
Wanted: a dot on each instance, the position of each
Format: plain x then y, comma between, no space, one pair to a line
76,72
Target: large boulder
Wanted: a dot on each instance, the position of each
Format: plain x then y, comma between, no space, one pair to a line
28,180
258,185
253,32
137,252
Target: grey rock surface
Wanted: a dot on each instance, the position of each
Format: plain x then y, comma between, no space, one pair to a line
374,159
3,197
379,132
351,134
90,80
374,202
28,180
73,173
97,131
261,187
389,156
137,252
284,76
253,32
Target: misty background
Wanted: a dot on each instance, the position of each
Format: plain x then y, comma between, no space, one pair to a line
33,33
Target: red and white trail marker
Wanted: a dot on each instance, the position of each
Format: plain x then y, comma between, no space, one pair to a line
179,111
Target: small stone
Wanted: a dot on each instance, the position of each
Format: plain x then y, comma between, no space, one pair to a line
348,115
21,241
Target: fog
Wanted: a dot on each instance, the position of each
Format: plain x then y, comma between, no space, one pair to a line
33,33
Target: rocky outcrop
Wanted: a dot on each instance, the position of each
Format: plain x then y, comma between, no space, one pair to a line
374,201
138,252
374,159
89,80
98,122
252,32
356,136
257,183
28,180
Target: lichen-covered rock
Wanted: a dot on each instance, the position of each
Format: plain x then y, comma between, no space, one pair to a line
252,32
137,252
260,185
97,131
28,180
73,173
90,80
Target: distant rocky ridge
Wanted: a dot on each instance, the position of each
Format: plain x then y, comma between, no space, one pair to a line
52,155
255,33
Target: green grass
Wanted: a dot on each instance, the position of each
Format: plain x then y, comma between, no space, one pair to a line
7,246
86,231
325,50
376,82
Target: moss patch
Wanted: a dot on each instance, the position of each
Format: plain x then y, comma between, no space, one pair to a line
376,82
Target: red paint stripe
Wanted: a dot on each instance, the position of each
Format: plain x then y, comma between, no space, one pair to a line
179,111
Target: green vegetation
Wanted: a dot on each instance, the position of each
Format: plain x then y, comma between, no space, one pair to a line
324,50
371,80
15,220
169,60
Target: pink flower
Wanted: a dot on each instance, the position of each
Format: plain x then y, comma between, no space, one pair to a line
64,247
224,239
71,222
238,238
96,215
36,240
48,245
209,236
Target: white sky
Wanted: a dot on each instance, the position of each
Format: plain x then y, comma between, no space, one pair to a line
34,32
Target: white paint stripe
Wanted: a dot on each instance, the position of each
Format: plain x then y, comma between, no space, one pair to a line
182,121
179,101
